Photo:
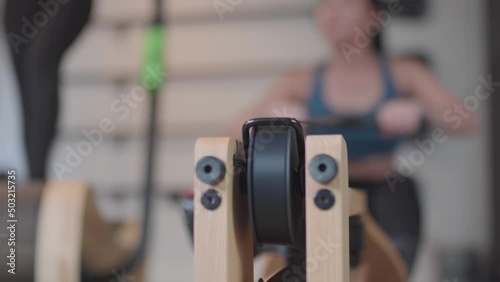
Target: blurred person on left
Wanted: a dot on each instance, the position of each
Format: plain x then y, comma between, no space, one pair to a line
40,33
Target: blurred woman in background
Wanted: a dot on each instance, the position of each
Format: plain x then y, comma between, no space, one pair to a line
39,33
360,81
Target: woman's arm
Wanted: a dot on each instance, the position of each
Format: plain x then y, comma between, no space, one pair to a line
441,107
286,98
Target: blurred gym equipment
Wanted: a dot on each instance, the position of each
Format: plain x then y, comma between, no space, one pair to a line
63,238
60,233
277,187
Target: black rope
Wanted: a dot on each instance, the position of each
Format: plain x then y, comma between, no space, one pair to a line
137,256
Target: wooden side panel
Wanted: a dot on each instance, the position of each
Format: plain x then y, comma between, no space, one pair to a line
105,248
60,232
223,244
27,204
328,231
71,232
380,257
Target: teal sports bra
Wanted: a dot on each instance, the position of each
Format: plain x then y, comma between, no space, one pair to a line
362,141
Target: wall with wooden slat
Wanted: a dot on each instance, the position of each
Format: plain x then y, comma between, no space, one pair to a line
202,50
187,108
126,11
118,166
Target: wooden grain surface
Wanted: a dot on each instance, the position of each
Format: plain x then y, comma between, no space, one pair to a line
223,243
327,232
58,230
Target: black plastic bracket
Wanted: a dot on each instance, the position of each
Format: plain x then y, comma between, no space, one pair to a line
278,123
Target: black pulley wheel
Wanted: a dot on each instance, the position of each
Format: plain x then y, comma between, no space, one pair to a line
276,184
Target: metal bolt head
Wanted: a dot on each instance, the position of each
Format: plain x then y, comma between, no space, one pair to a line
324,199
211,199
323,169
210,170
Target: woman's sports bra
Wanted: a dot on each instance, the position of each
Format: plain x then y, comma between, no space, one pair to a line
362,141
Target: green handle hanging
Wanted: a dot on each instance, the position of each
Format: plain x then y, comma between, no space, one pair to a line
154,73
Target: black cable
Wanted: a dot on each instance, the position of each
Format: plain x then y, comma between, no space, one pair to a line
137,256
158,17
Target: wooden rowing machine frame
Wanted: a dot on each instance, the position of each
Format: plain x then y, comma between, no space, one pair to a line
59,229
223,238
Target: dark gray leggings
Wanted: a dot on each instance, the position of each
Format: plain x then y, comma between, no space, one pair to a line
39,33
397,211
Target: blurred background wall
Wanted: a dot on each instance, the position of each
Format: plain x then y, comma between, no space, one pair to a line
219,66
